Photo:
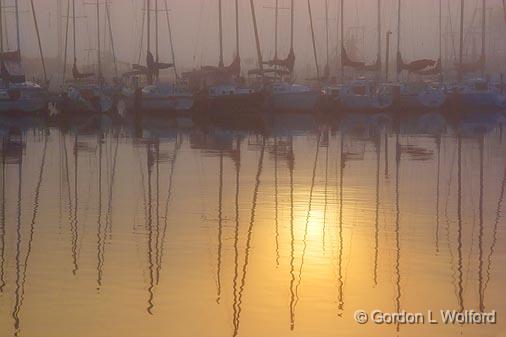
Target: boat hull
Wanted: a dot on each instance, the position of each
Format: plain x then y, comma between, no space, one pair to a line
304,102
157,105
423,101
486,101
25,106
366,103
226,104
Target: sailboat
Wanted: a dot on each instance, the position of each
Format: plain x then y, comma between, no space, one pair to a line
284,95
86,93
155,96
228,93
420,95
475,93
363,94
16,93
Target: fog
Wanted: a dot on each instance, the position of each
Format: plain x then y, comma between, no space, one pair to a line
195,29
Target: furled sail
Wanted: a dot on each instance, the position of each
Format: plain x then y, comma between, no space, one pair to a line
77,75
11,69
288,62
233,69
431,71
415,66
152,67
347,62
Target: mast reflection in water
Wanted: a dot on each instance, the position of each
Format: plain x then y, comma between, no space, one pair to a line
181,230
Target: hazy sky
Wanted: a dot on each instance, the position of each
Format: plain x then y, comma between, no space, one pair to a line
195,27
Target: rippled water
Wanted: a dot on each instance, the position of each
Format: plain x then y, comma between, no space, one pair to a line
173,229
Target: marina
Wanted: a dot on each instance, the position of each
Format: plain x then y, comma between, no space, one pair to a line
252,168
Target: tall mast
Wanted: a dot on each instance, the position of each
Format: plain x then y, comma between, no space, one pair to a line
99,64
398,37
66,42
461,47
148,13
39,42
441,40
313,39
327,35
276,16
342,40
111,38
257,39
379,36
237,53
170,40
156,32
220,34
292,19
74,29
483,33
18,38
59,28
1,31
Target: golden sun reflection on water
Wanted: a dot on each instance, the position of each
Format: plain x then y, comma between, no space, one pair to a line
230,233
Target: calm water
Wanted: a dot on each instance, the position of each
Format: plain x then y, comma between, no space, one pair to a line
176,230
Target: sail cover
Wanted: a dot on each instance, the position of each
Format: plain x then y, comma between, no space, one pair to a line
347,62
77,75
431,71
11,69
288,62
234,69
152,67
415,66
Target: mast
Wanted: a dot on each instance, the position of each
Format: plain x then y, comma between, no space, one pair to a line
66,43
398,36
237,53
441,40
276,17
220,64
99,64
313,39
111,38
18,37
461,47
342,40
483,34
39,42
156,32
257,40
292,22
59,28
327,36
292,18
148,3
1,31
379,36
170,40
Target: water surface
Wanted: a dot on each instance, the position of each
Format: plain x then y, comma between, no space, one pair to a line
172,229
